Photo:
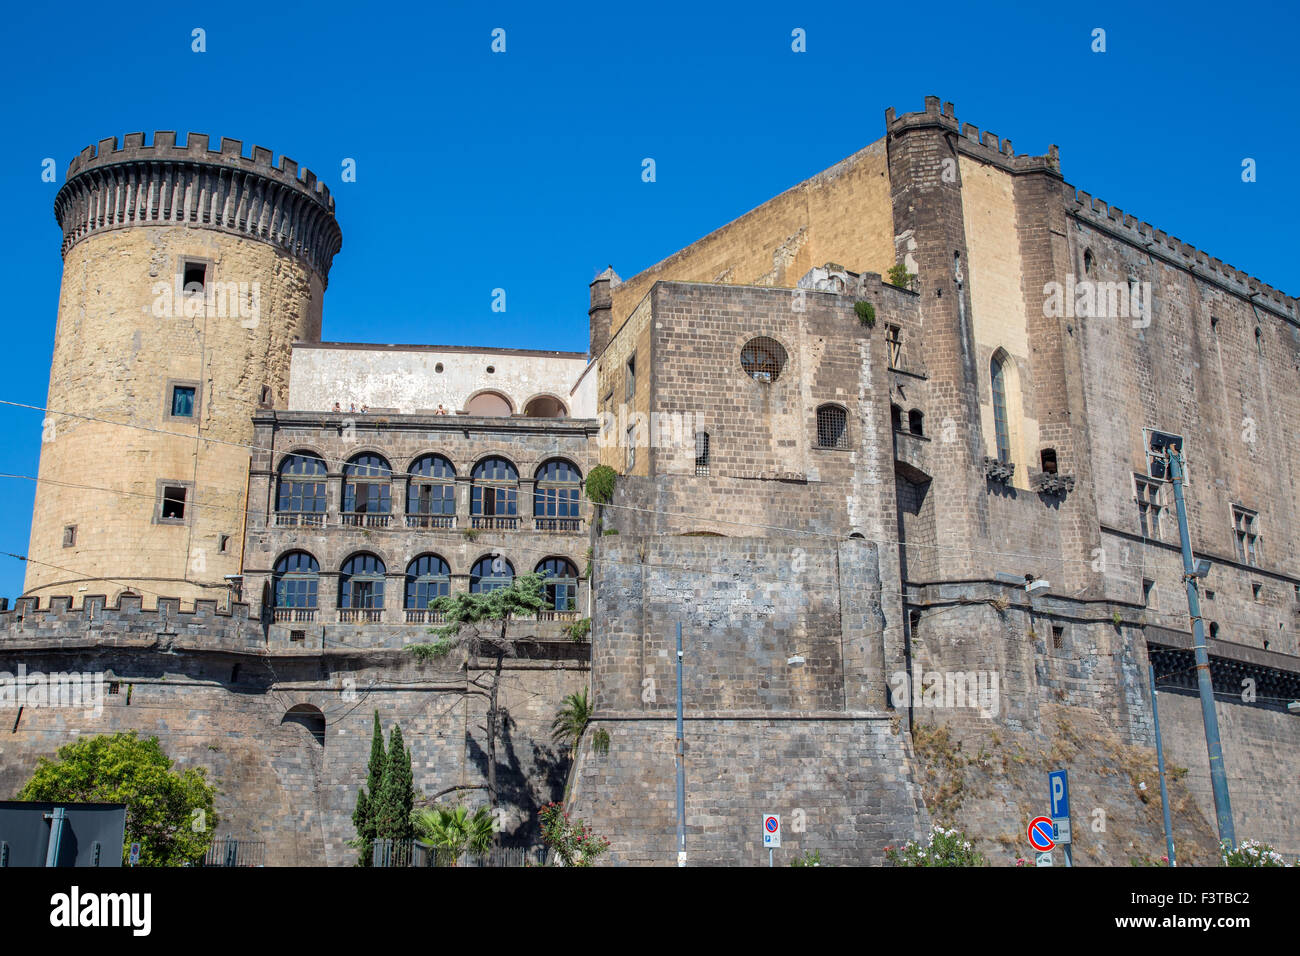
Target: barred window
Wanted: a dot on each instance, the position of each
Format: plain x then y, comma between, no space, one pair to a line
763,359
1245,531
702,453
1001,428
832,427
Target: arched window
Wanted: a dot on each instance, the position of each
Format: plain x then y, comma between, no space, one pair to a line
489,405
896,417
361,583
309,716
561,583
427,577
832,427
763,359
489,573
367,490
294,582
300,496
431,493
494,494
916,422
555,496
1001,426
545,406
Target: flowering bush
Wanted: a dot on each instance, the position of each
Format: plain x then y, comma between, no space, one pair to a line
944,848
573,843
1251,853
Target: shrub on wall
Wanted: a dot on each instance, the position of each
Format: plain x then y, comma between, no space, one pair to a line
600,484
866,313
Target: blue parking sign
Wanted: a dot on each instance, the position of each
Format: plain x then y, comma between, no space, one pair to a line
1059,794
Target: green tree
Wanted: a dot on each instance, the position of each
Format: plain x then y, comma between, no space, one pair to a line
170,814
453,831
479,624
363,817
571,719
392,815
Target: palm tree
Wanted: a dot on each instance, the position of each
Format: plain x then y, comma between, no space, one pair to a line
571,719
452,832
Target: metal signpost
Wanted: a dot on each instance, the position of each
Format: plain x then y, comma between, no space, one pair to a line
1058,793
771,834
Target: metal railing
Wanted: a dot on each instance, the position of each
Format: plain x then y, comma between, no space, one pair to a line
227,851
413,853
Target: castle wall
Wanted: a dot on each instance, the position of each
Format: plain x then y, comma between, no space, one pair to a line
463,440
413,379
1196,370
127,333
806,740
840,215
208,688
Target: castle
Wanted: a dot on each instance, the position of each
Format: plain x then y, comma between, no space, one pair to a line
836,484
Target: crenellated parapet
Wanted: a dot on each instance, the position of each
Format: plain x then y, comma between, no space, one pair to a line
137,184
985,146
1157,242
97,621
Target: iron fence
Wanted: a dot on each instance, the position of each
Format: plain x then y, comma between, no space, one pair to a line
228,851
413,853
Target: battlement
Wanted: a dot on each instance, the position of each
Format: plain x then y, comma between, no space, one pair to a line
1158,242
96,620
163,148
981,145
137,183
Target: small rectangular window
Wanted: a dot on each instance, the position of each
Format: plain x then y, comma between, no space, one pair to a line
1147,494
114,687
701,453
1245,532
1058,636
183,401
195,278
630,378
173,503
70,536
631,447
223,544
1148,592
297,637
1257,591
894,342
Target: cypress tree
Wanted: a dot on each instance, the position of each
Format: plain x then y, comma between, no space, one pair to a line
396,793
368,803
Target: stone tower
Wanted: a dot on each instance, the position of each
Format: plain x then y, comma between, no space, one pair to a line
188,273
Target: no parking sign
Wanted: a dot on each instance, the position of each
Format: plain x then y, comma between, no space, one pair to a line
772,830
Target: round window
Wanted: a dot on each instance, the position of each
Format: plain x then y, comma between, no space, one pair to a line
763,359
438,367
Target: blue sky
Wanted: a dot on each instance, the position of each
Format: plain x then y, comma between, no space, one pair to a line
522,170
